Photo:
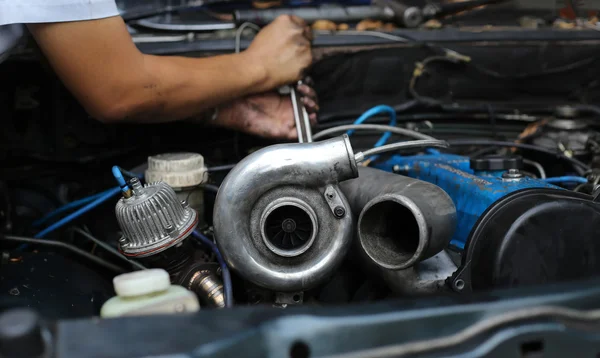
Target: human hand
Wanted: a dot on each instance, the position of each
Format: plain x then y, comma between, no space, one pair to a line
268,114
283,50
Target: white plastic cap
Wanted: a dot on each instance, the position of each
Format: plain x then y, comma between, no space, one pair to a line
141,282
179,170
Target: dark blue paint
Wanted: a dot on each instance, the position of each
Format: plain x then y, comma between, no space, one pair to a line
472,192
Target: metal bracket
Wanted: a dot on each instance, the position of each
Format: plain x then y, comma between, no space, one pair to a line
333,198
460,281
283,299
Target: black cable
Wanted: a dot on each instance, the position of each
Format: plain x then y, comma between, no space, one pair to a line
551,71
483,151
419,71
447,9
63,245
211,188
221,168
108,248
579,166
589,108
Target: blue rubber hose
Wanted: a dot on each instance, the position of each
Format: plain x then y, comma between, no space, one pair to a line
381,109
98,201
566,179
120,179
224,269
67,207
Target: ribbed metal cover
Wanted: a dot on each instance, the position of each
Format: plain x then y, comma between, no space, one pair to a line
153,219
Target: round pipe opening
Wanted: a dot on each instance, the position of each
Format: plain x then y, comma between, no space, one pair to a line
288,228
390,232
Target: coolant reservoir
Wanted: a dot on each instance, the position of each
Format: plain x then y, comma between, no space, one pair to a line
184,172
148,292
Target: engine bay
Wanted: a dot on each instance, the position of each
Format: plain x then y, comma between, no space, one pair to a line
450,166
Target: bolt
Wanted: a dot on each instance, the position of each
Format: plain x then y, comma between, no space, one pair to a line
339,212
136,186
512,174
170,229
123,242
179,308
331,195
184,203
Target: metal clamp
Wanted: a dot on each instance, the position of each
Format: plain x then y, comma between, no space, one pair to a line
335,203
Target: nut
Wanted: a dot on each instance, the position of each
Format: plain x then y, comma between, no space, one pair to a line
339,212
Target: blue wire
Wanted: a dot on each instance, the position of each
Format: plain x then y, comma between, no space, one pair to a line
120,179
67,207
101,199
566,179
225,271
91,201
373,112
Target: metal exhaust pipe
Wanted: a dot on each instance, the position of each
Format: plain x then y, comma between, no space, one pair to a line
401,220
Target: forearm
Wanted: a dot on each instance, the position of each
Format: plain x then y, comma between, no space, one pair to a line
115,82
174,88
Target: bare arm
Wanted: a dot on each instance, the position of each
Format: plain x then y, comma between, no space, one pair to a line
100,64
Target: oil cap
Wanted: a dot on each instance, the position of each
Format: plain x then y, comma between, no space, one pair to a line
179,170
496,163
140,283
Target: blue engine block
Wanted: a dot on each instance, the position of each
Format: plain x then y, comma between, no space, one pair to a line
472,192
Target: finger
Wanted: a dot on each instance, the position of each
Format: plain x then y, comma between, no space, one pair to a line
292,134
313,119
310,105
308,34
302,41
307,91
298,21
309,81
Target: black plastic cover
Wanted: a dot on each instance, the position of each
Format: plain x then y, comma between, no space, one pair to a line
532,236
496,162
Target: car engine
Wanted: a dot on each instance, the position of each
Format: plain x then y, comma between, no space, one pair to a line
477,175
290,220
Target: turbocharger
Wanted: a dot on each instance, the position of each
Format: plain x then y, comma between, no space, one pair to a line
280,218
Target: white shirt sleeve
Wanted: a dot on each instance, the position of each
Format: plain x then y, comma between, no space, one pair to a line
40,11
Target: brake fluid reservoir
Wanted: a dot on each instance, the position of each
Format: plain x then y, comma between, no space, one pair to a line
148,292
184,172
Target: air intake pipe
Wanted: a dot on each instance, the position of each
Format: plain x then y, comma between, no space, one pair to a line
281,220
401,220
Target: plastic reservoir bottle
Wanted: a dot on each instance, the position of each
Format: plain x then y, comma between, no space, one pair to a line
148,292
185,173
